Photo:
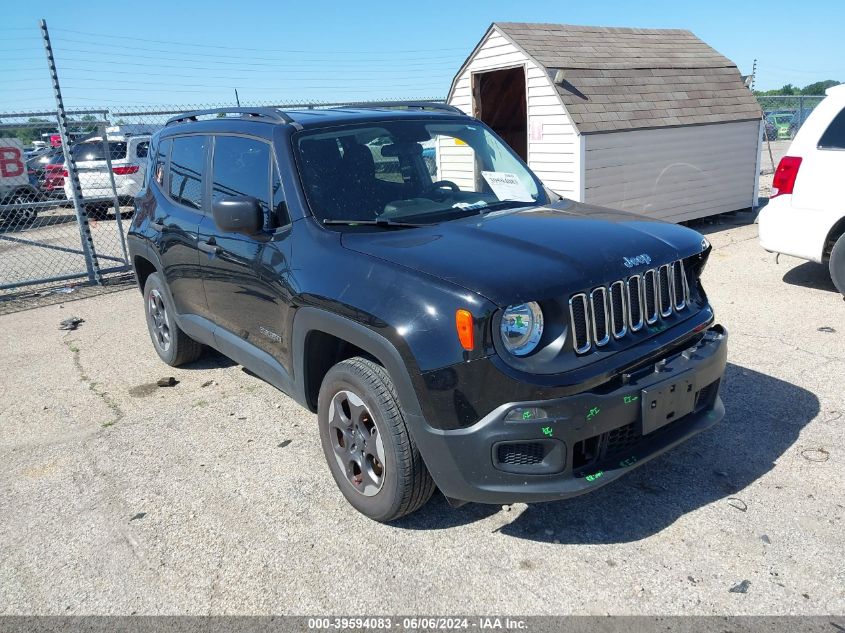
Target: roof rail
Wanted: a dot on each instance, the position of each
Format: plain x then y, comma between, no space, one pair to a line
415,105
270,114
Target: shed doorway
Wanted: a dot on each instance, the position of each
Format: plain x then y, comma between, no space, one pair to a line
500,101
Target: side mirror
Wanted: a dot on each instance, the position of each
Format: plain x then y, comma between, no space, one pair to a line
241,214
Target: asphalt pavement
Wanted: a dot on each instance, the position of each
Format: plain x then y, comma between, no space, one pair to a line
211,496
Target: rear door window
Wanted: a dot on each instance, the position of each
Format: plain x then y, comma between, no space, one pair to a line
242,168
187,160
95,150
834,135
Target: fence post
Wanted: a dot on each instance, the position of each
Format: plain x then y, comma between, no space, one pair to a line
117,218
800,112
91,263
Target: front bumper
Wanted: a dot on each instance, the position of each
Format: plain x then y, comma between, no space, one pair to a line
585,440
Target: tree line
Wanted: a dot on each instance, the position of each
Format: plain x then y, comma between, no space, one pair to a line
815,88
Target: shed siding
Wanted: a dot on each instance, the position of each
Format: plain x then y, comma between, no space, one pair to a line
553,146
674,174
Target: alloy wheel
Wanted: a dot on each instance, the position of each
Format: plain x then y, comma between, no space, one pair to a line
357,443
159,319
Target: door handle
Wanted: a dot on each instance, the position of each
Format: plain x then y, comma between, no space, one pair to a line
209,246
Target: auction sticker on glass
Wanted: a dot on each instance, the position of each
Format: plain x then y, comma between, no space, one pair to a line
507,186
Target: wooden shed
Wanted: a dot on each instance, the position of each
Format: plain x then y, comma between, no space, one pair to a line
653,121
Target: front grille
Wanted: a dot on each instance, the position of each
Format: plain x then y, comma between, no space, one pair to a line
580,319
626,305
521,454
635,302
680,290
650,296
618,324
598,312
663,274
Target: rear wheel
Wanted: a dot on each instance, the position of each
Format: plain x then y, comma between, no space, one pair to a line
99,211
837,264
371,454
173,346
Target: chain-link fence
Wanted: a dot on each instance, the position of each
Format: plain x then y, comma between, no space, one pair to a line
44,238
785,114
54,236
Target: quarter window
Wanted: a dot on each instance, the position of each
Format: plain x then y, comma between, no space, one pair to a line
242,168
187,158
834,135
160,169
143,149
279,204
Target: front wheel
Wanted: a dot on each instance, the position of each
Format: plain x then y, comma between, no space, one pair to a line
837,264
371,454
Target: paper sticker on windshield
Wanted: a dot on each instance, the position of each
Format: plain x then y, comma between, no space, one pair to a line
507,186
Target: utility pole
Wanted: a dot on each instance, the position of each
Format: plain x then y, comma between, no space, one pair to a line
753,74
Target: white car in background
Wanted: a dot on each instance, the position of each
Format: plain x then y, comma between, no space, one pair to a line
805,216
128,164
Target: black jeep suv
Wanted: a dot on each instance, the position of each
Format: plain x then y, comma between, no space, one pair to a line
403,274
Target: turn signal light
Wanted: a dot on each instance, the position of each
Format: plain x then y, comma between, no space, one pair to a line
466,334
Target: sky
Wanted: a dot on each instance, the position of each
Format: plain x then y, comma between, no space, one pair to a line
154,53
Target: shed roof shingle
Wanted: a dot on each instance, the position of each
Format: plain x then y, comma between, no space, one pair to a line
621,78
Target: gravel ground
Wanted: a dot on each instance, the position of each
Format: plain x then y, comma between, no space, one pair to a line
212,496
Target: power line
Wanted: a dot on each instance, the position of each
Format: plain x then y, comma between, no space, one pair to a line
61,55
389,55
265,50
239,80
221,87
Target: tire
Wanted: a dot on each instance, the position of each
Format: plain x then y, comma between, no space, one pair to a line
837,264
97,211
24,216
173,346
370,452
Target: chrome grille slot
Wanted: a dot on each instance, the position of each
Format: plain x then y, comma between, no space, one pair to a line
650,296
635,303
679,284
627,305
664,294
579,319
598,315
617,300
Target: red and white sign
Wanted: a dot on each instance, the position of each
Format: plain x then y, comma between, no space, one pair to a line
12,163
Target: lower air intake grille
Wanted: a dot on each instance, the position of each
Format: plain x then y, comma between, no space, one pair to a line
622,438
523,454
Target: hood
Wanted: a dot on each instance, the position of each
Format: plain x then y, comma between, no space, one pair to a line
533,253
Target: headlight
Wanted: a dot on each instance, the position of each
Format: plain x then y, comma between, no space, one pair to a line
522,328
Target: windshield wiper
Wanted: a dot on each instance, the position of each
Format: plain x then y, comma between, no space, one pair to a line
390,224
503,204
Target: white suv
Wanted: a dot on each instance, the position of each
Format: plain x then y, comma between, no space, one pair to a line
128,163
805,216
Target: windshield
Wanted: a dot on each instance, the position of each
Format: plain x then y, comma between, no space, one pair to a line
411,171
